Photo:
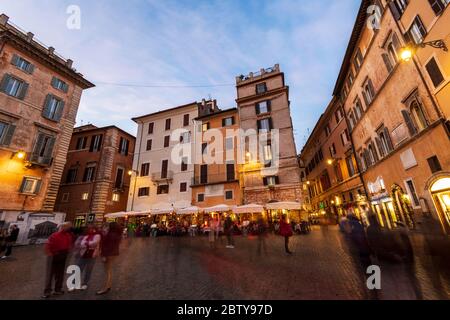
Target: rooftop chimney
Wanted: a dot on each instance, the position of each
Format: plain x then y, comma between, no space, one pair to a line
51,50
69,63
30,36
3,19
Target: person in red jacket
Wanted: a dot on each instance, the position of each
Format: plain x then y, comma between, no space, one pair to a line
286,232
57,249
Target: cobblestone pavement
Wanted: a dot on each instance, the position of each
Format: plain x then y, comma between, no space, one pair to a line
188,269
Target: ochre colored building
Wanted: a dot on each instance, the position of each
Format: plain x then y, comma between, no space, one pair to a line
39,97
96,177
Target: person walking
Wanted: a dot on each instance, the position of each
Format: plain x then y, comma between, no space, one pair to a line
109,251
262,235
286,232
229,229
10,240
57,249
88,251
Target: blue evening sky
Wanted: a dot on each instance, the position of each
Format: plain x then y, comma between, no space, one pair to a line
190,43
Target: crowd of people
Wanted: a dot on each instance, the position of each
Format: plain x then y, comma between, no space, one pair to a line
85,246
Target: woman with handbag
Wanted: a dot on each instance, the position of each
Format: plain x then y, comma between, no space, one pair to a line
286,232
89,250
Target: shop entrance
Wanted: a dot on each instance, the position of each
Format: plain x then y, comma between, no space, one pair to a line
440,191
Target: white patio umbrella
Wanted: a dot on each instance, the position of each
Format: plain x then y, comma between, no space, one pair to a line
249,208
218,208
115,215
189,210
284,206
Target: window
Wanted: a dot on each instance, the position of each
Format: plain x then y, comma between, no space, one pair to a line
53,108
271,181
204,148
30,185
372,155
151,126
351,78
345,138
434,72
267,149
229,195
230,172
116,197
417,30
390,57
205,127
327,130
65,197
358,60
186,120
43,149
124,145
59,85
72,175
338,172
263,107
358,110
166,141
183,187
22,64
184,164
96,143
368,92
81,143
162,189
145,169
412,193
149,145
265,124
384,142
339,115
226,122
13,87
418,116
89,173
351,120
261,88
332,150
229,143
168,123
398,7
144,192
85,196
204,174
185,137
6,133
200,197
164,169
434,164
438,6
350,166
118,184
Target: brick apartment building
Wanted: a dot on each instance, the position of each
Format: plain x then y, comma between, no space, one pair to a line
39,97
96,177
263,104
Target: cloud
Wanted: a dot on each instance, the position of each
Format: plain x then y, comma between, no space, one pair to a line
193,43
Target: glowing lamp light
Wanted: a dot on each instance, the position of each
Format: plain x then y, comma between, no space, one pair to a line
20,155
406,54
130,172
330,161
308,183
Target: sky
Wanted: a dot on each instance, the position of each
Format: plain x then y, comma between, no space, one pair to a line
190,50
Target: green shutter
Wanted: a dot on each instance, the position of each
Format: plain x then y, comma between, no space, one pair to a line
4,83
22,91
65,87
48,154
409,123
6,141
37,148
54,82
46,110
22,186
59,110
30,68
15,60
388,139
38,187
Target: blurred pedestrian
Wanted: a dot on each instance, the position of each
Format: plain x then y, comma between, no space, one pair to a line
57,249
286,232
109,251
262,235
229,230
11,239
88,250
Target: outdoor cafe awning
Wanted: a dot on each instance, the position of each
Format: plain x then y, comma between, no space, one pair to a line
250,208
218,208
189,210
123,214
284,206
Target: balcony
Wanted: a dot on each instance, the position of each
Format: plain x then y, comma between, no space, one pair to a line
162,177
213,179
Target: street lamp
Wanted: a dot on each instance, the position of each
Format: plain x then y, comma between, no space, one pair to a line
408,52
19,155
330,161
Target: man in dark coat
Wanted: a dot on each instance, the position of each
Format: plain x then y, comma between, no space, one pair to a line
10,240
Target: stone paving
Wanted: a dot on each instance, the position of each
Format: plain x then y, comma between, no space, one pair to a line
188,269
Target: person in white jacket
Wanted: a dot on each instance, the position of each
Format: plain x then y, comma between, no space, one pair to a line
88,250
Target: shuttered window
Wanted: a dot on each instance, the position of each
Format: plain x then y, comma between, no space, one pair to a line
409,122
143,192
438,6
185,120
43,149
14,87
149,145
59,85
30,185
96,143
418,30
22,64
263,107
166,141
168,123
434,72
434,164
53,108
145,169
124,145
226,122
6,133
151,126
